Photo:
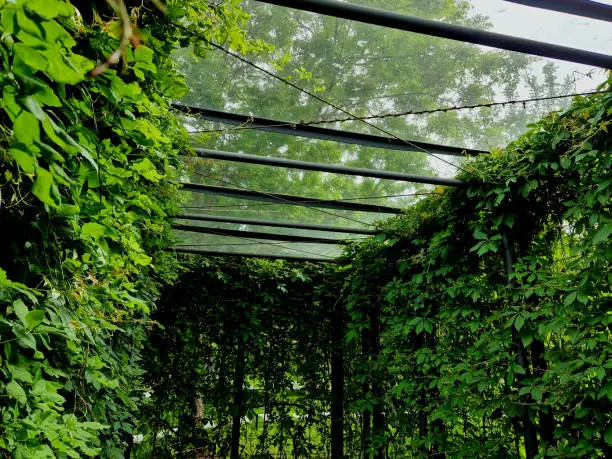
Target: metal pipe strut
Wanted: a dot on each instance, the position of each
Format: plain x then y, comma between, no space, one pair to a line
319,167
334,135
440,29
216,253
274,223
584,8
288,199
256,235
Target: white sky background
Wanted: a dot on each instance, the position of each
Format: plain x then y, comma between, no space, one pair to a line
552,27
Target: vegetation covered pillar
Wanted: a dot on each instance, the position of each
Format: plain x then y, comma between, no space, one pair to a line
337,381
527,426
378,416
238,402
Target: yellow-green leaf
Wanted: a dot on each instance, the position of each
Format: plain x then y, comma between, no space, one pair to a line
42,186
26,128
24,160
93,229
14,390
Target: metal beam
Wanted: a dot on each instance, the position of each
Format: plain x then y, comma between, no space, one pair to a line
216,253
584,8
332,168
257,235
334,135
277,224
288,199
392,20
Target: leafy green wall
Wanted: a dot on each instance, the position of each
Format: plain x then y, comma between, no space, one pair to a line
494,303
86,190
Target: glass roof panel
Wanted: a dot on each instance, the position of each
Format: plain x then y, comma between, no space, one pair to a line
389,76
509,18
249,245
371,70
292,212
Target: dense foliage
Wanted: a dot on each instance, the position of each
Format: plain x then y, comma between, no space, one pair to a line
476,355
87,167
477,324
241,340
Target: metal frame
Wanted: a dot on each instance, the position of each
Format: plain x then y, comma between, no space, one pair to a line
288,199
215,253
256,235
277,224
584,8
319,167
334,135
440,29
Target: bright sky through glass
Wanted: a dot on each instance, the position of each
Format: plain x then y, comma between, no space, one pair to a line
372,70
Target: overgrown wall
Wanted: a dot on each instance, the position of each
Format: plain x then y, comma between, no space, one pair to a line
88,152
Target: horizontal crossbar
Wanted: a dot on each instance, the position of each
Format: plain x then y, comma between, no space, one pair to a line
216,253
334,135
277,224
288,199
392,20
256,235
585,8
320,167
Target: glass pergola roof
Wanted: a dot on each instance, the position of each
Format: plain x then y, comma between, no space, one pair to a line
415,94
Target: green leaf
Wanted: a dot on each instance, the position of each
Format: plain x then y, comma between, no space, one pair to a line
480,235
570,298
14,390
34,318
42,186
147,169
26,128
519,322
141,259
537,394
21,310
527,340
603,233
68,210
23,338
24,160
93,230
143,54
26,55
32,105
51,9
21,373
608,436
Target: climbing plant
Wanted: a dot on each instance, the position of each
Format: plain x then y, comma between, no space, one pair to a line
478,323
490,304
88,151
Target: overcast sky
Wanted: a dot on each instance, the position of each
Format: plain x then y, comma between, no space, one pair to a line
552,27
